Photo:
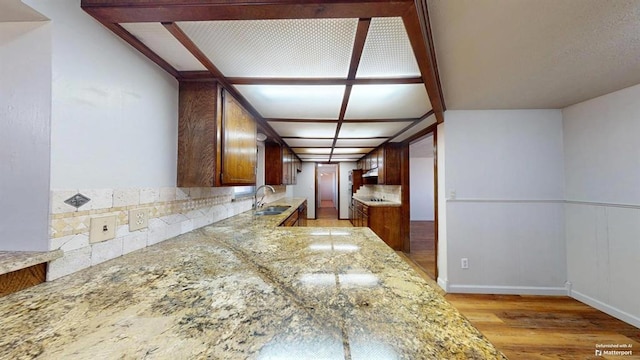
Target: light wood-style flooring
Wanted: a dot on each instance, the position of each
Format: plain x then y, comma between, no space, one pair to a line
545,327
327,216
423,252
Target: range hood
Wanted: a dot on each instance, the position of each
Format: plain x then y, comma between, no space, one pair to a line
371,173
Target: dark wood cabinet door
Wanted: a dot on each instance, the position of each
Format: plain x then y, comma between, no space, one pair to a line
392,165
273,169
198,129
239,144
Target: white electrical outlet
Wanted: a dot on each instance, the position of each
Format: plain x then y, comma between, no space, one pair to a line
138,219
102,228
464,263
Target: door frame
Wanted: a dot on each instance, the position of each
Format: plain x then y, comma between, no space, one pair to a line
317,188
431,130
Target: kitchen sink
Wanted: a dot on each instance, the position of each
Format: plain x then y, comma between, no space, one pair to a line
272,210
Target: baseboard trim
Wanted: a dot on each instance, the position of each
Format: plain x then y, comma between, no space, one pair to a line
507,290
444,284
606,308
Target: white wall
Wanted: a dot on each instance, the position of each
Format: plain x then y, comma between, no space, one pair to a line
326,181
306,187
602,157
421,193
504,211
25,112
345,189
114,112
443,260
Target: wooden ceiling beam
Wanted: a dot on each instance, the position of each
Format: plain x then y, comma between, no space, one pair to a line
122,11
358,47
175,30
424,117
140,46
324,81
416,22
323,121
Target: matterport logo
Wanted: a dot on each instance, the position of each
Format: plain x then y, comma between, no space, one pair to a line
614,350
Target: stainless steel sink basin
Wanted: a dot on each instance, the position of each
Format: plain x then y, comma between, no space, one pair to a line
272,210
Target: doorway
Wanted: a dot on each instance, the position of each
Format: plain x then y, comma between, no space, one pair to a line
327,203
422,232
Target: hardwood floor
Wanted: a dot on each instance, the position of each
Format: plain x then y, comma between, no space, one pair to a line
423,246
328,217
545,327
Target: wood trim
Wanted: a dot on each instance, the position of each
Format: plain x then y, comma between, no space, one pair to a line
315,191
358,47
175,30
121,11
21,279
435,197
406,198
345,138
415,122
426,24
416,23
315,121
138,45
196,76
422,133
325,81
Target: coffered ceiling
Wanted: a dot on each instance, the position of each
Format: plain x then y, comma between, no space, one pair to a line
330,79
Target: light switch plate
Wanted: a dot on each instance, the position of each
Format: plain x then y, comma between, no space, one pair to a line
138,219
102,228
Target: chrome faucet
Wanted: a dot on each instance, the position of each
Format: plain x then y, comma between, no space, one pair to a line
256,203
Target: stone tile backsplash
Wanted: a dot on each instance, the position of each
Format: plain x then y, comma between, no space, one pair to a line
387,192
172,212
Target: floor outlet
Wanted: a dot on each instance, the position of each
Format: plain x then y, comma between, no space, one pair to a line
102,228
464,263
138,219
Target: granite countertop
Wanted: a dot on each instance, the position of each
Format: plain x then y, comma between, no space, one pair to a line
243,288
378,203
17,260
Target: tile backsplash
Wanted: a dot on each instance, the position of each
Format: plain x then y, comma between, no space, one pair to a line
172,212
387,192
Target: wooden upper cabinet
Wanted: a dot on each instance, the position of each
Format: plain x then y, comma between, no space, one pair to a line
389,163
374,158
216,138
239,143
280,165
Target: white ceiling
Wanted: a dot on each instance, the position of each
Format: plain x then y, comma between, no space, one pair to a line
15,10
522,54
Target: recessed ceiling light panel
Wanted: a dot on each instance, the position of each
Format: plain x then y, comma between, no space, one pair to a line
309,142
352,150
295,101
157,38
389,101
312,48
387,51
297,129
372,129
359,142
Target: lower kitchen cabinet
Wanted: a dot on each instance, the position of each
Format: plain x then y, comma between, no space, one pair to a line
385,221
297,218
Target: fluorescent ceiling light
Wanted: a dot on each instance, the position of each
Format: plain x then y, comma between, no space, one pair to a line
295,101
389,101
